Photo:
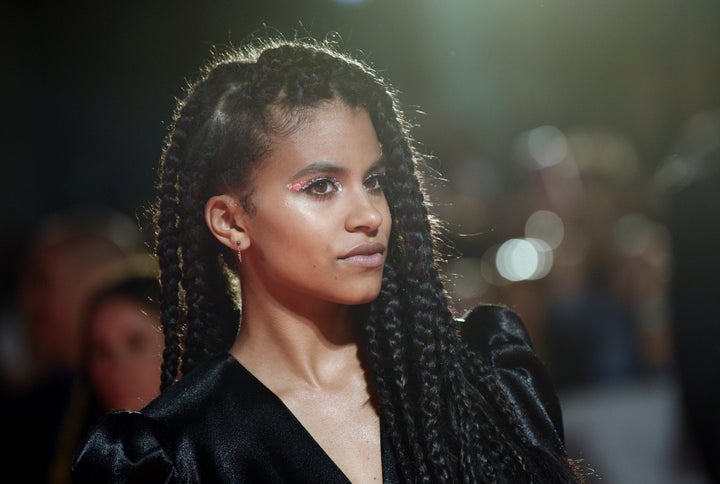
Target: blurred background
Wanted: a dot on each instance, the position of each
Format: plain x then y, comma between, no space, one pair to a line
576,150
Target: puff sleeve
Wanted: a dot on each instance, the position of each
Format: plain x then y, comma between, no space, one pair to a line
124,447
499,334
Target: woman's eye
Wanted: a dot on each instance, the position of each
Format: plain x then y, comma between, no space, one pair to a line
323,186
375,181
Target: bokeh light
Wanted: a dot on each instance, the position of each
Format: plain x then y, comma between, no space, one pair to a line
547,226
524,259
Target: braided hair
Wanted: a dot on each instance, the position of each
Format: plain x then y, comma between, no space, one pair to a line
221,130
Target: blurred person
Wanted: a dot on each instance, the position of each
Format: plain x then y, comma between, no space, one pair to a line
308,334
124,342
121,354
661,425
605,326
604,321
66,254
604,331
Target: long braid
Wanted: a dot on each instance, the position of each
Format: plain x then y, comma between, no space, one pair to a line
405,389
212,318
168,245
184,250
194,268
384,337
397,329
195,250
401,196
437,342
210,327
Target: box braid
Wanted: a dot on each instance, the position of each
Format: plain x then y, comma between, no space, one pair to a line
441,404
413,344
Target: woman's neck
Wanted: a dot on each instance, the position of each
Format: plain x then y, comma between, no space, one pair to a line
313,345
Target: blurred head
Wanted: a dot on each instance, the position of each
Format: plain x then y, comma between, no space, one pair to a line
69,252
124,341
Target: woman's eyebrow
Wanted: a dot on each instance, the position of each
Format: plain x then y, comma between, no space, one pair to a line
380,163
320,166
327,166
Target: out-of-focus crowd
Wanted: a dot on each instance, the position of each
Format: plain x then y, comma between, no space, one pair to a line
614,270
80,335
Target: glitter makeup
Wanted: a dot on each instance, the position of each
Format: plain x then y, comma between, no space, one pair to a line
305,185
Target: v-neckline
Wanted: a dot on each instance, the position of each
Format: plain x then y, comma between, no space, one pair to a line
385,457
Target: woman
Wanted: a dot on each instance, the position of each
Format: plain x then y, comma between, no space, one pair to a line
308,336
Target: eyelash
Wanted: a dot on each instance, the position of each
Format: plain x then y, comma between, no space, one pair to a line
378,177
310,185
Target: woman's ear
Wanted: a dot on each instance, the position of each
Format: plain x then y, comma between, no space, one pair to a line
224,218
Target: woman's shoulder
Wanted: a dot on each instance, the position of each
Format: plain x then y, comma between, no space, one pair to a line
123,446
146,444
498,334
195,392
488,326
217,424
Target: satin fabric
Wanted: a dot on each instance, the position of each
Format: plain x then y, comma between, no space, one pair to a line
500,335
220,424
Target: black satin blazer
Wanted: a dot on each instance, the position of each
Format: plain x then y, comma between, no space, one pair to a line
221,424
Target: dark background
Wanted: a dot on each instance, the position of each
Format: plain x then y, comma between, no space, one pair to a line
88,87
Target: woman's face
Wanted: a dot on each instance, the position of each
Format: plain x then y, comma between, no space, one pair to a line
124,354
320,223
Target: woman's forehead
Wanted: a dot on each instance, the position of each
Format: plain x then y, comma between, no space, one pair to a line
331,133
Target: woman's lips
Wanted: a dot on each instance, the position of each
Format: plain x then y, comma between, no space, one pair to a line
365,255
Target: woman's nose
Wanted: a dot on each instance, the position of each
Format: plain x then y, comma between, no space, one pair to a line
365,213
